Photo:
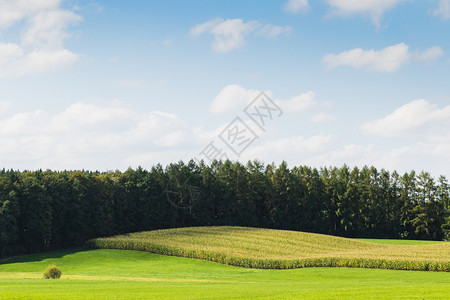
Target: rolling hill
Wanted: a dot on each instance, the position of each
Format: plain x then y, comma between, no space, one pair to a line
280,249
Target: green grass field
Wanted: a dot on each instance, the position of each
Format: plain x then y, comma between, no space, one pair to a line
125,274
280,249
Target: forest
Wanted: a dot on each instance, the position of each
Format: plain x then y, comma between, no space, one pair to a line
46,210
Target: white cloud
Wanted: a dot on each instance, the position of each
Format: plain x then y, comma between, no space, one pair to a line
323,118
372,8
9,52
292,149
4,106
12,11
389,59
272,31
443,9
300,103
350,154
296,6
80,117
431,53
150,158
47,29
171,139
230,34
409,116
39,61
205,27
417,156
233,98
40,47
322,150
114,136
328,150
88,136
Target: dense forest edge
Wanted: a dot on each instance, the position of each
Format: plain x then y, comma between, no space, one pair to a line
47,210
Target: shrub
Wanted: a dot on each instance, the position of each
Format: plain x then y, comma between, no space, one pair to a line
52,272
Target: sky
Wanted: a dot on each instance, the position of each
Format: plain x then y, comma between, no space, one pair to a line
107,85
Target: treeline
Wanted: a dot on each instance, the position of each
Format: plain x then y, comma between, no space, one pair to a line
43,210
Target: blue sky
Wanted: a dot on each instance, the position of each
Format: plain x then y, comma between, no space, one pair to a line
105,85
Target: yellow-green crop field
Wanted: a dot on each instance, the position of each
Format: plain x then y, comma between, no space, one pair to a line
280,249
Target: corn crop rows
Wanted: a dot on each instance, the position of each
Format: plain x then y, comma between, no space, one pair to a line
239,246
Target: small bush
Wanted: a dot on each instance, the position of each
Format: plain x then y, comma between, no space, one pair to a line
52,272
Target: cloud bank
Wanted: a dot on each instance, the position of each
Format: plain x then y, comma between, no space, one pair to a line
389,59
40,46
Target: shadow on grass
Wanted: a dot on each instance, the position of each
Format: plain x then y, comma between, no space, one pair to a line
41,256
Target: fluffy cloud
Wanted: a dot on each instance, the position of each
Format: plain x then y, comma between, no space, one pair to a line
89,136
114,135
233,98
301,103
329,150
416,156
443,10
47,29
230,34
389,59
41,45
296,6
409,116
9,52
38,61
372,8
12,11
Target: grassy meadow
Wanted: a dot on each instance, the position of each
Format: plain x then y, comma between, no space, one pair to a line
280,249
125,274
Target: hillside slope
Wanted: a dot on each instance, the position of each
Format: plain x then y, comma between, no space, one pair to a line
121,274
280,249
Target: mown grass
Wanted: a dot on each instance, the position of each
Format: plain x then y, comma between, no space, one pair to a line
280,249
119,274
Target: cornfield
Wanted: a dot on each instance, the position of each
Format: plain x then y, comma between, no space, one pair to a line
279,249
